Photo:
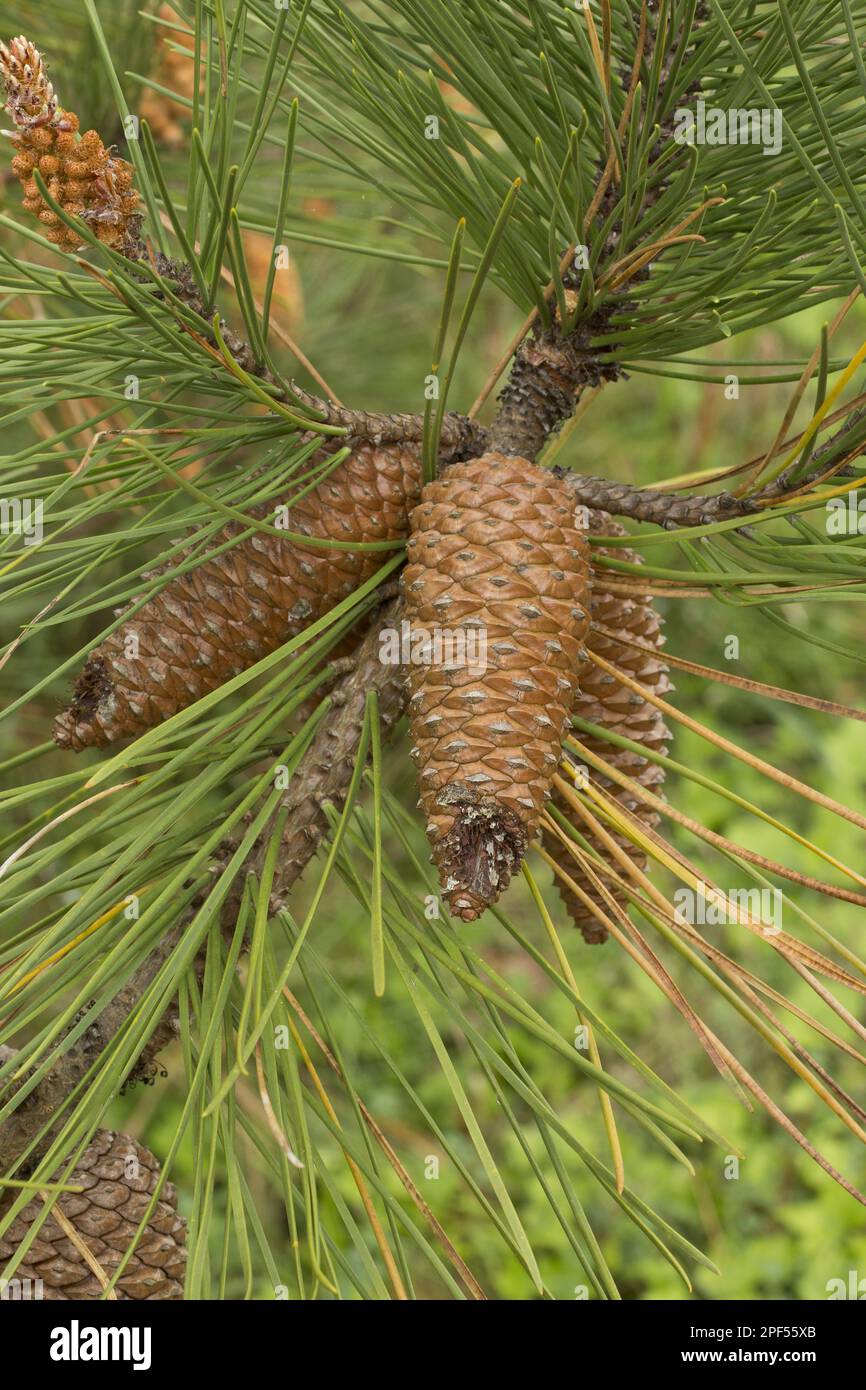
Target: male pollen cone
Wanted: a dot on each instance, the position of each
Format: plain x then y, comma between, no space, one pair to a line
83,177
117,1176
605,701
494,547
222,617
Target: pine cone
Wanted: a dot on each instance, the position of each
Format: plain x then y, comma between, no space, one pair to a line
118,1176
607,702
221,618
494,547
82,176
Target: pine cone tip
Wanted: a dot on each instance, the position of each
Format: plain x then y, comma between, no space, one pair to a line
84,723
478,852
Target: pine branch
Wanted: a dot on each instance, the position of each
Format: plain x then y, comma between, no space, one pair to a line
38,1108
325,771
322,778
554,366
110,205
549,373
671,510
461,437
667,509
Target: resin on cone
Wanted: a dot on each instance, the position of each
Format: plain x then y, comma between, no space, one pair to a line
495,548
605,701
118,1177
222,617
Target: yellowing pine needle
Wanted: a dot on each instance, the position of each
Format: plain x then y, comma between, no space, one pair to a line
375,1224
812,428
568,975
77,940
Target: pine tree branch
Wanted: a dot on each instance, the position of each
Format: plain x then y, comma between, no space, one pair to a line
667,509
322,778
325,772
38,1108
554,365
672,509
460,438
549,373
326,768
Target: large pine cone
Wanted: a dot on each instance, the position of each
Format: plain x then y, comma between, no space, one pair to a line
118,1176
495,547
605,701
228,613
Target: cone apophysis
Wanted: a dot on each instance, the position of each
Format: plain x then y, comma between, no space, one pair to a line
82,176
495,558
605,701
220,618
118,1177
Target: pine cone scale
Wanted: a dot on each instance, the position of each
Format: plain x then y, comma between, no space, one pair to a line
118,1177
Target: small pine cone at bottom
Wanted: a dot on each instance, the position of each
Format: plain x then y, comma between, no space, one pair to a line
605,701
118,1176
495,550
222,617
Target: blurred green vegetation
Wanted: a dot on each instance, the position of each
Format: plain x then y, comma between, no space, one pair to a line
780,1229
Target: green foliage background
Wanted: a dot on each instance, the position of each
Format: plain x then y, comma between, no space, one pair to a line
782,1228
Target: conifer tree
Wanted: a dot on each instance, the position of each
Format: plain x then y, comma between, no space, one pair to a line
258,639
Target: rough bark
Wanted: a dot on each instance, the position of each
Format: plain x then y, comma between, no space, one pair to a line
327,766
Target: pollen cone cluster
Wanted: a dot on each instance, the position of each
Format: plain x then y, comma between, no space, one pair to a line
222,617
81,175
607,702
495,551
118,1177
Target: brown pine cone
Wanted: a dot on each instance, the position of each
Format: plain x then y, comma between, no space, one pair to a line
118,1176
494,548
225,615
607,702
